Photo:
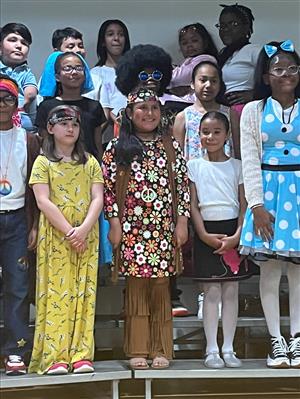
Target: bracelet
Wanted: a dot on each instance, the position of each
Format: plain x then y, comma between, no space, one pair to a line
256,206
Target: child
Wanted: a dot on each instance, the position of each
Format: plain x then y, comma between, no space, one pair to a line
113,42
66,77
217,209
271,166
209,87
15,40
68,39
18,225
194,41
67,184
147,205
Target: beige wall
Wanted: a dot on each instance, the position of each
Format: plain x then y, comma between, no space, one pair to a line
152,21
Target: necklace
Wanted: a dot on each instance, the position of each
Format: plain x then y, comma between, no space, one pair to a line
289,116
5,184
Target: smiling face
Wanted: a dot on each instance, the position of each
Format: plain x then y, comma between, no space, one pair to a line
145,116
206,83
232,29
71,72
8,106
213,135
287,83
114,40
14,49
191,43
74,45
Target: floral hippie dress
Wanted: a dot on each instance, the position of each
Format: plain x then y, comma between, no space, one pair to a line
66,280
147,246
281,183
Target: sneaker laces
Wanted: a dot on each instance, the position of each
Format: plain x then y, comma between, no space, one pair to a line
294,346
279,347
15,359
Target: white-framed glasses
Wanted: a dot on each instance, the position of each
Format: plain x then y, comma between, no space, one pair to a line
71,69
290,71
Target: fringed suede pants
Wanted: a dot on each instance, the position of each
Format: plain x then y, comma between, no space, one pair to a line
148,318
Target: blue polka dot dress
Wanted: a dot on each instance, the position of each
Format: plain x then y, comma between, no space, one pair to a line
281,146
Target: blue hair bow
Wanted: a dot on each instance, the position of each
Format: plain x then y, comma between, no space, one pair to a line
288,46
48,80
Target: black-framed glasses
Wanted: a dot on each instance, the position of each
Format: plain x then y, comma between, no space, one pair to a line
9,101
228,25
71,69
290,71
155,75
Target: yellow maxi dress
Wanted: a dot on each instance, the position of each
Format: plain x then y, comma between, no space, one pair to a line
66,280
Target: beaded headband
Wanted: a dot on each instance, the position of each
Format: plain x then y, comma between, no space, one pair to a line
141,96
64,114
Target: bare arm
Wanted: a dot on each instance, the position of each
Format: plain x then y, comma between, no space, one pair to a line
30,93
179,129
80,233
51,211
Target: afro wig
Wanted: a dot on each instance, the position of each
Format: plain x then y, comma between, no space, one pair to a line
136,60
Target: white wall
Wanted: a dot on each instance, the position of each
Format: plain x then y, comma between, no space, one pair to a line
154,21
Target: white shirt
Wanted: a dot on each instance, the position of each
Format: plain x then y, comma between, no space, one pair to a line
238,71
13,153
105,90
217,187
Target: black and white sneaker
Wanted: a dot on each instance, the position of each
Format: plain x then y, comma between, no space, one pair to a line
294,350
278,358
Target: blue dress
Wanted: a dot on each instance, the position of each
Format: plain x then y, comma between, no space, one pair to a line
281,146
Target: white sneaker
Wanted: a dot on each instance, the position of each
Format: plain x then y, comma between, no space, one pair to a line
294,349
278,358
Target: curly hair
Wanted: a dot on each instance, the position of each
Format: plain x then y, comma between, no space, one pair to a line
138,58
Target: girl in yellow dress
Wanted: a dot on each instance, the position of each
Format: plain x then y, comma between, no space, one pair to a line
68,186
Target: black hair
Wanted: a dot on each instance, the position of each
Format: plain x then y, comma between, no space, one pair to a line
209,45
216,115
129,147
59,35
78,154
101,49
14,27
57,69
220,96
138,58
6,77
261,89
245,15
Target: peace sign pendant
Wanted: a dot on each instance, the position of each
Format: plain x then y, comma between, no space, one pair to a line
5,187
148,194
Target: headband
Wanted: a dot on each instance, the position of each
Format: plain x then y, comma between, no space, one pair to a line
142,95
64,113
287,46
8,85
48,80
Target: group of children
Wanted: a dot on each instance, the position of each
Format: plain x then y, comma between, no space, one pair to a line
52,192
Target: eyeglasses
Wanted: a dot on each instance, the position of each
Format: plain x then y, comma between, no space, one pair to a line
290,71
223,26
155,75
71,69
9,101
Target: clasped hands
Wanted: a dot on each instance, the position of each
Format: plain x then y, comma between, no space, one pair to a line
77,238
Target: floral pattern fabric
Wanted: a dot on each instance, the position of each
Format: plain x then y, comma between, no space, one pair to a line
147,245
